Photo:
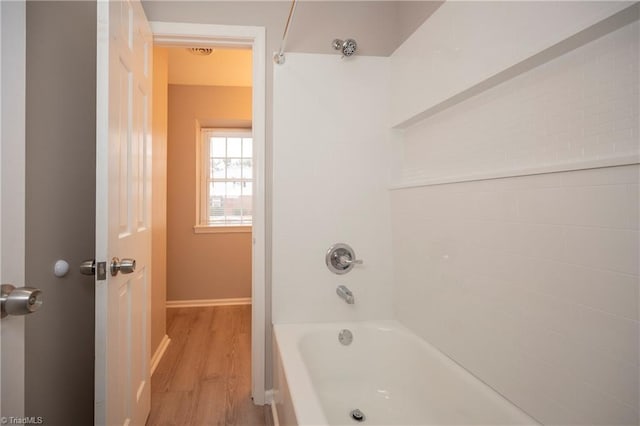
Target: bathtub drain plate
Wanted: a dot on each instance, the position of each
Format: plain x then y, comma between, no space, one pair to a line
345,337
357,415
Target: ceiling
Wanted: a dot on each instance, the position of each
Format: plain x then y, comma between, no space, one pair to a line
223,67
379,27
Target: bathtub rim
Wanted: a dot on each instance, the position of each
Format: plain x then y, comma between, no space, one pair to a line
309,411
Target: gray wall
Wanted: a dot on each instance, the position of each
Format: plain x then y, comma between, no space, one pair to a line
60,221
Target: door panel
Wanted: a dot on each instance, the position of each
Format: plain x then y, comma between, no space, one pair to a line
122,226
123,78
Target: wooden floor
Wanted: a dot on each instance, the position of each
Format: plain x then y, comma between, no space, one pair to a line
204,377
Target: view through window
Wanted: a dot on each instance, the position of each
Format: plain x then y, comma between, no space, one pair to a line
228,185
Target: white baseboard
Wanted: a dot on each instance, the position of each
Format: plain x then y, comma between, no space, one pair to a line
269,399
208,302
274,414
159,353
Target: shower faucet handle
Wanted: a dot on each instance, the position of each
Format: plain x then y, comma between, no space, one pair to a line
341,258
346,260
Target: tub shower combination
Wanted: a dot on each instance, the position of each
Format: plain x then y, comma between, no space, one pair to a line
375,372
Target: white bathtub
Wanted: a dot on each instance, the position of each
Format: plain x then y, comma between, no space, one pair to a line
392,376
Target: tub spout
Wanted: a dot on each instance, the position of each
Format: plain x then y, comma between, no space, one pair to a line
345,294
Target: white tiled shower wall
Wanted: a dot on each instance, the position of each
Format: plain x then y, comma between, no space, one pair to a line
582,106
330,156
531,282
466,42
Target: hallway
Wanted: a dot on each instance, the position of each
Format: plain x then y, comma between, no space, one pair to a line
204,377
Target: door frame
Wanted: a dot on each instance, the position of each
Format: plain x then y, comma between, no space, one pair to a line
13,38
193,35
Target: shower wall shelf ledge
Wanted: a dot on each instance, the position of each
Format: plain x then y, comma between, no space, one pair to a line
520,63
613,161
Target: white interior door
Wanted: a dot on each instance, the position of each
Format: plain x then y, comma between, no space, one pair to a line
12,199
123,213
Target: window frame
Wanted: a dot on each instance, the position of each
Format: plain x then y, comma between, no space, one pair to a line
203,172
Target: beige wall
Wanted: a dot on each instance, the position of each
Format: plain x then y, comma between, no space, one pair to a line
159,198
201,266
60,206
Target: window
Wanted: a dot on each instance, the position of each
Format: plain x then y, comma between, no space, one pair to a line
226,179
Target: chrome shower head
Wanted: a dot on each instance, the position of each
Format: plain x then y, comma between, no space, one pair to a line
348,47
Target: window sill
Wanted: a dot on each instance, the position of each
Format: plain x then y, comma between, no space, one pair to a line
204,229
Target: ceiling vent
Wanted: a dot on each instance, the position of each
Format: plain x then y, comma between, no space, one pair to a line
201,51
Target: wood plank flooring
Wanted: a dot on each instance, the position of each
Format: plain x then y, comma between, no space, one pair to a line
204,377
